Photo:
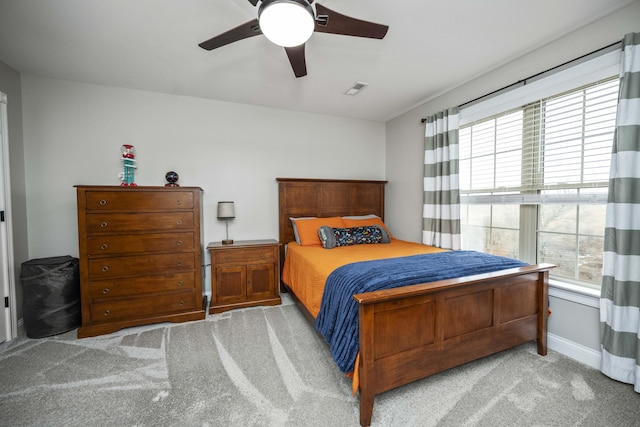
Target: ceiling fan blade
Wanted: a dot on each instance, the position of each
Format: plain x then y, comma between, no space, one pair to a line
246,30
328,21
297,60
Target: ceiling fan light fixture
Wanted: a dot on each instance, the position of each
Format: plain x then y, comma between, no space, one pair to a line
286,23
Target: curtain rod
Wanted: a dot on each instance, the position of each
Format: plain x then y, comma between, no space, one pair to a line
424,119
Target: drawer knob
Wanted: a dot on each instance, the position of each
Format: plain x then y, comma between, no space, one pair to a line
178,202
180,283
105,268
103,202
104,246
105,291
103,224
179,262
179,242
107,312
179,222
181,303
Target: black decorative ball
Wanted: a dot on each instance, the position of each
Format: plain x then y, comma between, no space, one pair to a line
172,178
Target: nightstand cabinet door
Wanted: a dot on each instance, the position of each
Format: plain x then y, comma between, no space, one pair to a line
244,274
261,281
231,284
140,256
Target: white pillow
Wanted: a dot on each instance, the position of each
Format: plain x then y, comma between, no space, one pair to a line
361,216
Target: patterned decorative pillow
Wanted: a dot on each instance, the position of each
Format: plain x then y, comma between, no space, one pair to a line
361,221
332,237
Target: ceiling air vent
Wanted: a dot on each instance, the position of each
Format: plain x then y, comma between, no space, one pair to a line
356,88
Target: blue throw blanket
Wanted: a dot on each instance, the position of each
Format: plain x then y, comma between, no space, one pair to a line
337,320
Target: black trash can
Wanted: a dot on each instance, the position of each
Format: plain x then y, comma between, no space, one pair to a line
51,295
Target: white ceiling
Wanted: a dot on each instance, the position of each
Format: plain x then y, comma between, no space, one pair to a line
153,45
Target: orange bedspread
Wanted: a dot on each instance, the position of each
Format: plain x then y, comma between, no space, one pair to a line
306,268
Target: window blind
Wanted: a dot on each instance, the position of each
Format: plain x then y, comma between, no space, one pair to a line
553,150
558,81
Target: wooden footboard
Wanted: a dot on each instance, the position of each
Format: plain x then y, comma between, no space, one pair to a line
412,332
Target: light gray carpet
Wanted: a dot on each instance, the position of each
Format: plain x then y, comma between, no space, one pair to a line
265,366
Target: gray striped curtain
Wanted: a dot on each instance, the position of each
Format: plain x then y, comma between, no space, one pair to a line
620,299
441,208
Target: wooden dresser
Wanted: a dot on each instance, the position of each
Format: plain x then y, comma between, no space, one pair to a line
140,256
243,274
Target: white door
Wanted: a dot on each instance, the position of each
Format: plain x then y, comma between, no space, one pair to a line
6,254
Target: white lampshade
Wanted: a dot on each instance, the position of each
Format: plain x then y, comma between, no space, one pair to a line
226,210
286,23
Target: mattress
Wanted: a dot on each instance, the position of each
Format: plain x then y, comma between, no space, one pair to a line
306,268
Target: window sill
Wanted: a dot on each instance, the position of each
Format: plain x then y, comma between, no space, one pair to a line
574,293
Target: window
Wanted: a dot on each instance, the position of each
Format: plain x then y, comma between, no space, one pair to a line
534,181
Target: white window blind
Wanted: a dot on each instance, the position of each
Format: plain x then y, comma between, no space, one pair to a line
554,150
559,81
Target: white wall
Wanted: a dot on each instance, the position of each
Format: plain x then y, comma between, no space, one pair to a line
572,321
73,133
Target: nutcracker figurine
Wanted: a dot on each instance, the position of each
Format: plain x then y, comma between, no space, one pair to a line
129,163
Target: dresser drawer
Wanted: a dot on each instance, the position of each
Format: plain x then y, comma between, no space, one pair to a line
143,265
140,307
118,223
139,243
243,255
141,285
138,201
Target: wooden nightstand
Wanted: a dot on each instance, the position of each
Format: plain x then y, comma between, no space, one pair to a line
243,274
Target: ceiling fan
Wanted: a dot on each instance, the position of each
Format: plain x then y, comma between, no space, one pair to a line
290,23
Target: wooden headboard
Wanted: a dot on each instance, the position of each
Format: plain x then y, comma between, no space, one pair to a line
302,197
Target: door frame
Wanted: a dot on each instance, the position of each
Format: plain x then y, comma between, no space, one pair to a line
8,320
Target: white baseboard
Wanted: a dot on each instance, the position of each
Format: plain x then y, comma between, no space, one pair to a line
579,352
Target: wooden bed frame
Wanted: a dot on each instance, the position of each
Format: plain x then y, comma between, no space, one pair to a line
415,331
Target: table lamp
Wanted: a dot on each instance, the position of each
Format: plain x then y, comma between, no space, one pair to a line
226,211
